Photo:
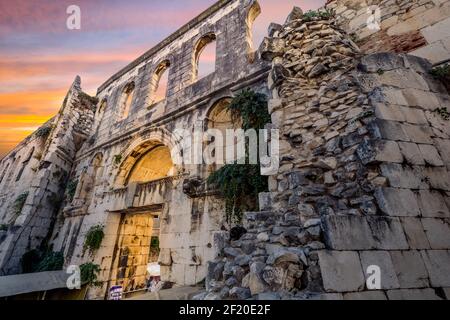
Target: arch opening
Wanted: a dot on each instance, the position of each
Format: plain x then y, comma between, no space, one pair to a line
155,164
159,82
126,100
254,36
204,57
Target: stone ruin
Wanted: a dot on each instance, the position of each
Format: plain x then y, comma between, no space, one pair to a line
364,161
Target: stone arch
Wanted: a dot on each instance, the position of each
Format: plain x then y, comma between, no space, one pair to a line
253,12
90,177
141,146
97,168
155,164
100,112
202,43
158,85
218,117
126,99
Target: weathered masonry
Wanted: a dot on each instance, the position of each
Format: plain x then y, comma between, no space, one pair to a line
364,151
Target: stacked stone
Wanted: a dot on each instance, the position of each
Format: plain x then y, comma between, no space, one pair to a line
313,99
362,178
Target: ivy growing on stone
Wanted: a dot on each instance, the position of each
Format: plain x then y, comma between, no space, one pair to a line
117,159
240,184
89,272
94,238
4,227
19,203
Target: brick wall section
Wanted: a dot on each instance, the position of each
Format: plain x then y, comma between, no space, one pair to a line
418,27
363,179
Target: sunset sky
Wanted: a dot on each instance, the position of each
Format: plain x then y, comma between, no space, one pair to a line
40,57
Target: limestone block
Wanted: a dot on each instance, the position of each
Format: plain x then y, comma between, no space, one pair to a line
438,177
365,295
394,97
389,130
387,233
389,152
431,155
403,78
411,152
438,233
432,204
418,134
389,112
384,61
414,115
397,202
381,259
437,31
419,98
437,263
412,294
421,20
443,145
403,177
341,271
347,233
414,233
410,269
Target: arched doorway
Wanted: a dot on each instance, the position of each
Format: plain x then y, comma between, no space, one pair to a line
137,246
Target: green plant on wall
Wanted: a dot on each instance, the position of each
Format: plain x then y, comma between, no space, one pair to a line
89,272
240,184
443,112
322,14
154,246
39,261
43,132
117,159
4,227
441,72
94,238
19,203
71,189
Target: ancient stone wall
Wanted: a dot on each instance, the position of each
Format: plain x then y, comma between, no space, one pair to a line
364,156
43,187
363,180
191,218
418,27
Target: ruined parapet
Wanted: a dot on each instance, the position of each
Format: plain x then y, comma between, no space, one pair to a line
349,192
45,189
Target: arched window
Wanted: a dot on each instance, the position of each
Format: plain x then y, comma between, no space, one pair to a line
253,38
159,82
204,56
219,118
100,113
126,99
97,168
101,109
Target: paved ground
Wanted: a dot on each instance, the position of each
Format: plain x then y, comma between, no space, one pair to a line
176,293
